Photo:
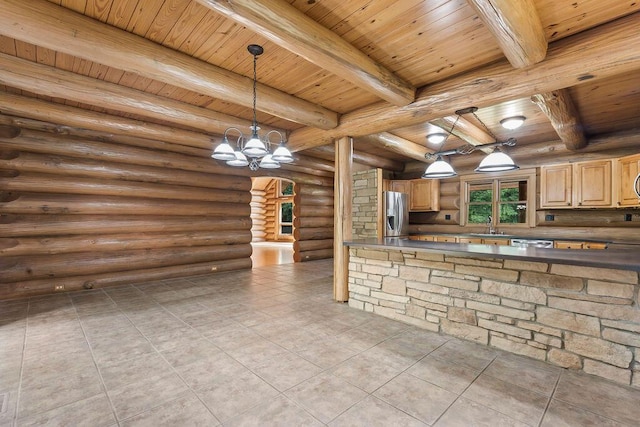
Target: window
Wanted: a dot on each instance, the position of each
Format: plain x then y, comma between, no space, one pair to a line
284,206
504,200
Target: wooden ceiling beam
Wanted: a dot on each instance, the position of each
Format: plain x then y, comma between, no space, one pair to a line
558,106
516,27
595,54
58,83
465,130
397,144
48,25
327,152
291,29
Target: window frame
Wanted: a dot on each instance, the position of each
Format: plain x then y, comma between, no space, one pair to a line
280,199
494,179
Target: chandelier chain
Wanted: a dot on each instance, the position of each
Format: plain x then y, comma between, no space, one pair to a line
484,126
255,77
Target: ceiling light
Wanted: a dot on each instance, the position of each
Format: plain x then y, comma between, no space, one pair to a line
439,169
513,122
437,138
496,161
254,149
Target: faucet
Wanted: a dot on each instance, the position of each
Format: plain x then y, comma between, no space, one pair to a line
490,225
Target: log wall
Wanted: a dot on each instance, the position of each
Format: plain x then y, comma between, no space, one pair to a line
312,222
80,212
258,212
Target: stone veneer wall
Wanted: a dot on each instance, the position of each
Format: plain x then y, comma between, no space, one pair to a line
365,204
575,317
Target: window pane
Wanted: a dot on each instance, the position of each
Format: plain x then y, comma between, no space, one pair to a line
513,213
480,192
513,191
286,229
478,214
286,212
287,188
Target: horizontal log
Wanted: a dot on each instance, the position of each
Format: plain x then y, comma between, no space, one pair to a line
313,222
317,210
449,187
75,283
435,217
57,225
450,202
19,246
9,131
34,203
311,200
41,142
48,183
314,190
74,166
319,233
312,255
312,245
21,268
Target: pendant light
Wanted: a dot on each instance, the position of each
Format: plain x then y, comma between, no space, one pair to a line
496,161
440,169
255,152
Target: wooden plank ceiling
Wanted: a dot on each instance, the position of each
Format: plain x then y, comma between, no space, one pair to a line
377,70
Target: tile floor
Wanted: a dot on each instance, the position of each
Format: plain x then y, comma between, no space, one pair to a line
268,347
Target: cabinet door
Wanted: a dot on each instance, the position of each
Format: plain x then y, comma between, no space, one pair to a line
556,186
424,195
559,244
496,242
594,245
401,186
592,184
627,171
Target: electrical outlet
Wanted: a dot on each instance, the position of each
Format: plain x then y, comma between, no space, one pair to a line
628,217
58,288
214,268
447,217
549,217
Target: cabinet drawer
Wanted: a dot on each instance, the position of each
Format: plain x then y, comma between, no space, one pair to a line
558,244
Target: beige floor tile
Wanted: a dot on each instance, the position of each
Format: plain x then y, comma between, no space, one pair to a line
230,396
524,372
256,352
327,353
279,411
373,412
135,398
92,412
9,404
600,396
370,370
193,351
285,370
516,402
187,410
561,414
472,355
121,373
326,396
416,397
450,376
206,373
465,412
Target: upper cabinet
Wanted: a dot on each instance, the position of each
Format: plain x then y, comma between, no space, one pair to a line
576,185
555,186
628,169
423,194
592,184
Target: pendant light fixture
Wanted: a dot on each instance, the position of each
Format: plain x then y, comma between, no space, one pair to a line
255,152
496,161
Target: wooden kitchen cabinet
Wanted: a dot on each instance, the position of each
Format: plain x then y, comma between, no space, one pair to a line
496,242
476,240
559,244
627,170
446,239
424,195
400,185
556,186
577,185
592,184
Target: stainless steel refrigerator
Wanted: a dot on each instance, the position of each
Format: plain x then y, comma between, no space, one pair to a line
396,214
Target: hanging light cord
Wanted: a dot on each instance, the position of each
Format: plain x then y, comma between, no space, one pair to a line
485,126
255,77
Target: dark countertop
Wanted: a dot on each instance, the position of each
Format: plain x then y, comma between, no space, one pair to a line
622,259
511,236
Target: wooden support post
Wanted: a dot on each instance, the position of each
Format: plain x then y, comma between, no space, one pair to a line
342,189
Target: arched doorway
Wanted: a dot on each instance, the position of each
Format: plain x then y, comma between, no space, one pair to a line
272,221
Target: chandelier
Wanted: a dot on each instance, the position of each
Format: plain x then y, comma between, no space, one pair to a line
496,161
255,152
